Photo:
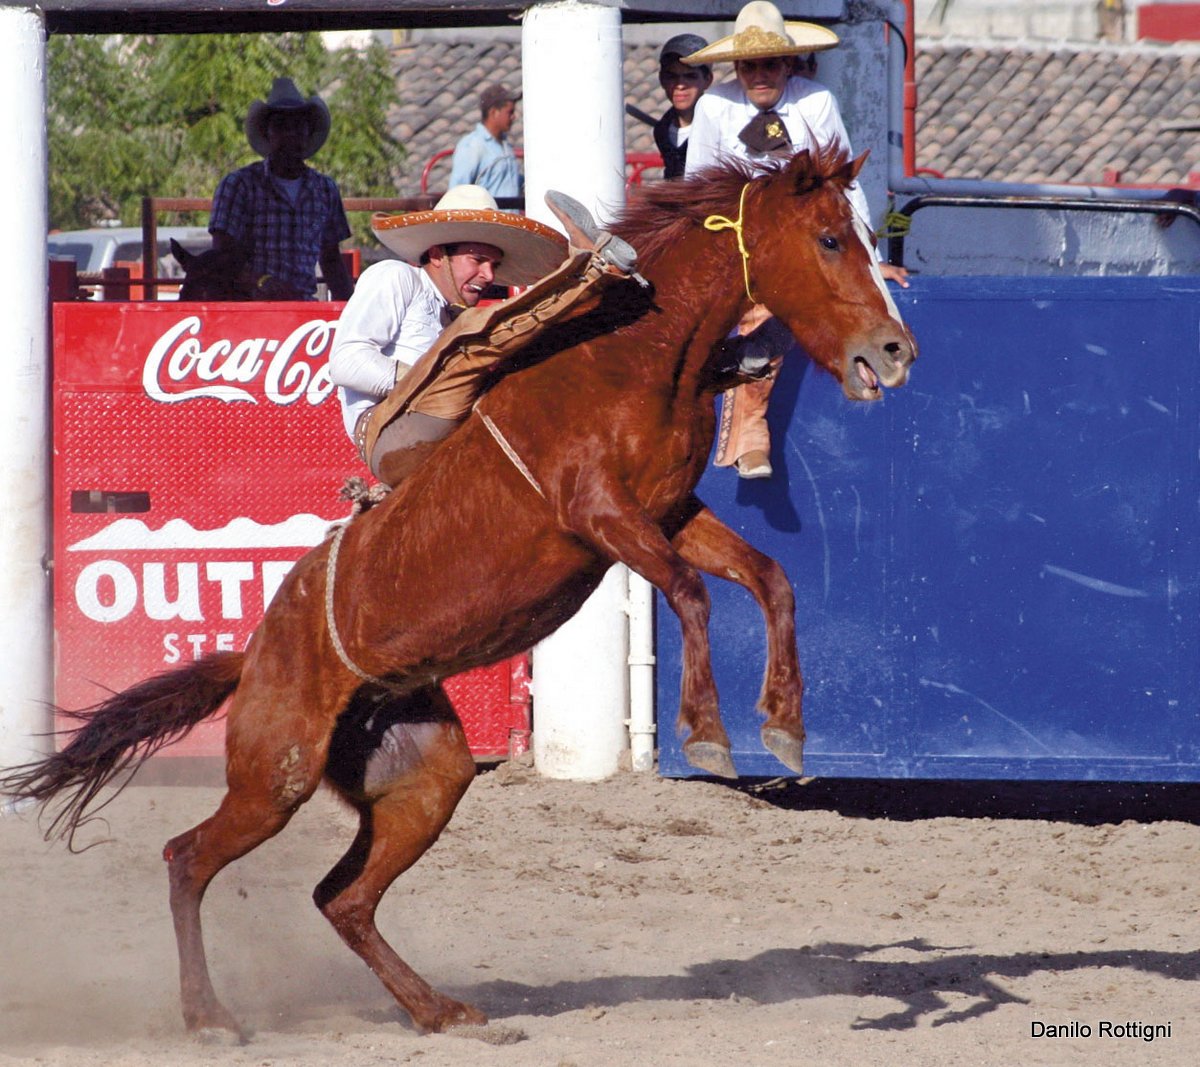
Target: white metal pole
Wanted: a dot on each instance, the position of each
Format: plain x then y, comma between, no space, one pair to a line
25,611
581,689
573,101
573,106
641,672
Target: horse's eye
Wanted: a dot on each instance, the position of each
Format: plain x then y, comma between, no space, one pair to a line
829,242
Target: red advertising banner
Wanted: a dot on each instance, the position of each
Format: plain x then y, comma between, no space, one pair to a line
198,453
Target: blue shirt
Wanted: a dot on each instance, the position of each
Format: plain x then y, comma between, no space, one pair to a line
481,159
284,239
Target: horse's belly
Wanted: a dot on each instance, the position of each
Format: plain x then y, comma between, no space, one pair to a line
447,611
467,567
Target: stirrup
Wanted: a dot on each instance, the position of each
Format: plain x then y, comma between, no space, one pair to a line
583,233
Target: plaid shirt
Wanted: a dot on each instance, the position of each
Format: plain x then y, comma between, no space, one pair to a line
284,239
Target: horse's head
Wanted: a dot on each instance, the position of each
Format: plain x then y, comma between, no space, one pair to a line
811,260
218,274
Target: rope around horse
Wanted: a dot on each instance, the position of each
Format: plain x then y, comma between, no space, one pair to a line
511,452
330,622
715,223
363,498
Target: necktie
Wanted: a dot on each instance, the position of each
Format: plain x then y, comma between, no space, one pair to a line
765,133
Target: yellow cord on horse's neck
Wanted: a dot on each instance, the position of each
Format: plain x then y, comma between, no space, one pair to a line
720,222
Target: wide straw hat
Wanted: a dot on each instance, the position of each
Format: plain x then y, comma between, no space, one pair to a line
284,96
468,213
760,33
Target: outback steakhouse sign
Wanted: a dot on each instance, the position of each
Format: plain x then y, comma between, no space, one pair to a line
198,453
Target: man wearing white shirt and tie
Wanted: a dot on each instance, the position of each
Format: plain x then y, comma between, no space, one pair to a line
768,110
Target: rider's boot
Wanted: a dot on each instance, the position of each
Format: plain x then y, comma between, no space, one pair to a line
584,233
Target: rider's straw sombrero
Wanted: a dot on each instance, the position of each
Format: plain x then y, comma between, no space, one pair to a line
469,213
760,33
284,96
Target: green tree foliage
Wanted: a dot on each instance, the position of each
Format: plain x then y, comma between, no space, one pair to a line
162,116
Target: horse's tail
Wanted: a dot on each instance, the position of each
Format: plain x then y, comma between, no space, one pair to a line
119,735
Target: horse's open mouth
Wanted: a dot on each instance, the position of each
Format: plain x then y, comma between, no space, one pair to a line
866,375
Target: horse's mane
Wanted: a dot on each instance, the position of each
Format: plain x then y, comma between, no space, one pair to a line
659,214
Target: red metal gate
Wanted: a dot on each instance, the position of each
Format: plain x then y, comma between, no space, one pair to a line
198,453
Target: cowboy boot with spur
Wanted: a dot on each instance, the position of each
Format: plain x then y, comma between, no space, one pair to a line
583,233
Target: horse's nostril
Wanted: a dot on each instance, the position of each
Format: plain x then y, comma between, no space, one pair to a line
892,347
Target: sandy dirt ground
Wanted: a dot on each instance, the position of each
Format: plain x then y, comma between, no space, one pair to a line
640,921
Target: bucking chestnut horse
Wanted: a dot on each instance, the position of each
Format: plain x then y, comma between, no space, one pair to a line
586,456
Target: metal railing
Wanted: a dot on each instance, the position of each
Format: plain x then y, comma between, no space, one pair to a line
636,165
1165,209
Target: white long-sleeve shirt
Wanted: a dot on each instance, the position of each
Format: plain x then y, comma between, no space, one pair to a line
393,318
807,108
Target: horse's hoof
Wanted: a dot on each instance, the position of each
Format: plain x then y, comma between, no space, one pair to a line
711,757
219,1037
491,1034
449,1015
784,747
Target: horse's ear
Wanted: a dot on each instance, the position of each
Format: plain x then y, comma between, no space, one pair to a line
850,171
801,162
800,169
182,256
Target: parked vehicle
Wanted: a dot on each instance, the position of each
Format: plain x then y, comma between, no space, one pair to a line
96,249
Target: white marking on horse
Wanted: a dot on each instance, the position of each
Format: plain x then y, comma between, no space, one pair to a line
864,235
401,749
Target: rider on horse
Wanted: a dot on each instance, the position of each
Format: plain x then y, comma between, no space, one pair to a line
413,347
770,109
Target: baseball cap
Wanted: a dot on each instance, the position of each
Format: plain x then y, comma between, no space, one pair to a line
682,44
496,96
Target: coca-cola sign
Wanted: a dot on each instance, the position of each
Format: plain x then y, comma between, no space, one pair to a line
185,365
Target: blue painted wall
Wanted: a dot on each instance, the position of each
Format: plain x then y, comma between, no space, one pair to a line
997,568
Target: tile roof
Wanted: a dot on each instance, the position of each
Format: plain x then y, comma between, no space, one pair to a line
1023,112
433,111
1055,112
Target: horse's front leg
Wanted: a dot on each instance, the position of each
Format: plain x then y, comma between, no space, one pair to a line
615,526
709,544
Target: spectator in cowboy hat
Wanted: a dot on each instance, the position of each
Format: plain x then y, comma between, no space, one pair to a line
683,86
769,109
284,216
448,257
484,156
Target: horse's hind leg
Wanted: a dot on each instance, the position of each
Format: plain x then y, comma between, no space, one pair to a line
259,802
404,766
708,544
